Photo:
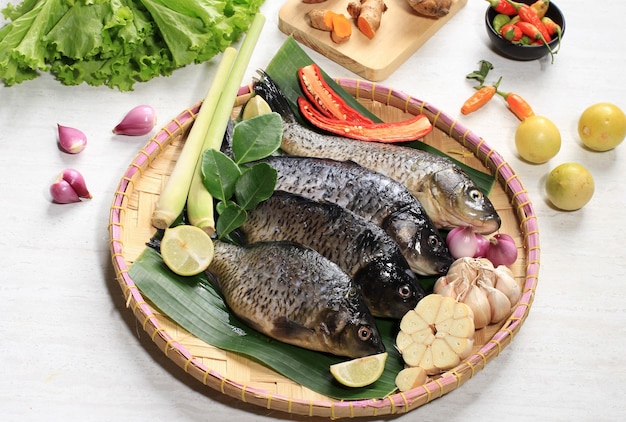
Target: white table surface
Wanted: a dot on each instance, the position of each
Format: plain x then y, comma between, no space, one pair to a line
71,350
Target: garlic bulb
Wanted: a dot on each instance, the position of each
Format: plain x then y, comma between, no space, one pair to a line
490,292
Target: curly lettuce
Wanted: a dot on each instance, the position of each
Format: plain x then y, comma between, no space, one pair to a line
116,42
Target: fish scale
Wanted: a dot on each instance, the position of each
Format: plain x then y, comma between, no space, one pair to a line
359,247
293,294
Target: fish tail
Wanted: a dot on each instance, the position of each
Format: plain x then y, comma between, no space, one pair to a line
267,88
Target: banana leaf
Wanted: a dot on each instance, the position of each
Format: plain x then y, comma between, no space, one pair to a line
195,305
283,70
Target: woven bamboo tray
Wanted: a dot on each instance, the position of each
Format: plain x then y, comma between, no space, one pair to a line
236,376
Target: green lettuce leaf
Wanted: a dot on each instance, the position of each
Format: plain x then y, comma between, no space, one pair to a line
117,42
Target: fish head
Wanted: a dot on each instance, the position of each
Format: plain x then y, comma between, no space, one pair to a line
462,203
389,286
419,240
351,332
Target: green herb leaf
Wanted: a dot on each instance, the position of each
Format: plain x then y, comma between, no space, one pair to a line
257,137
255,185
481,74
219,174
231,216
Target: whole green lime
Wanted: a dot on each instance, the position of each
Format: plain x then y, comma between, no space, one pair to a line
537,139
602,126
569,186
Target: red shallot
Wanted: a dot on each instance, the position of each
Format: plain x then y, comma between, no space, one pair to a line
71,140
69,186
462,242
138,121
482,246
502,250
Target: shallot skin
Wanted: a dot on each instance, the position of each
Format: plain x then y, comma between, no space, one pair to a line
138,121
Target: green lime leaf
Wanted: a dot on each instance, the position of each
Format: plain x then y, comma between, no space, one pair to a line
257,137
219,174
231,217
255,185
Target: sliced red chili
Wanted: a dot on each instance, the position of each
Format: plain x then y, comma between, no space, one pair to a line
407,130
324,97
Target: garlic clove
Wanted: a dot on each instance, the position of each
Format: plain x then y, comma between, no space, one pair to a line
507,284
138,121
71,140
499,304
476,299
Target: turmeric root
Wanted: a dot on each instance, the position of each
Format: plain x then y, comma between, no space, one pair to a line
432,8
368,15
337,24
322,19
342,29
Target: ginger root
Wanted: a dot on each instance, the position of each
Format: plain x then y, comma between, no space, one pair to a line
431,8
368,15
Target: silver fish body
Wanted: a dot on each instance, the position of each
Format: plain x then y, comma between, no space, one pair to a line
293,294
373,196
445,191
363,250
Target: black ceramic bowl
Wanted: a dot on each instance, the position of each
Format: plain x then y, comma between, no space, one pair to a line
524,52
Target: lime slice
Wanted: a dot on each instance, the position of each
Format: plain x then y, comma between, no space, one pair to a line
361,371
255,107
186,250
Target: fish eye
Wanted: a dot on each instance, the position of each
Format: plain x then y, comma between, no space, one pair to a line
475,194
364,333
434,242
405,291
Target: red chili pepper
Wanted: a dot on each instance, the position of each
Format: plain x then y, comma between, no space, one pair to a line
534,34
511,32
517,105
504,6
528,14
403,131
326,99
530,30
479,98
325,109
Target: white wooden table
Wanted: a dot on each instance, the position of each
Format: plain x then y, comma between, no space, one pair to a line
71,350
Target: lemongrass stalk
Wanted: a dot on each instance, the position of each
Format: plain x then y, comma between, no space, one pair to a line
200,201
173,196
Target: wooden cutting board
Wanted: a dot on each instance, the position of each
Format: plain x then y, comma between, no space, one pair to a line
401,33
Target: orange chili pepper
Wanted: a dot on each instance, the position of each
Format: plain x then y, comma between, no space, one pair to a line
517,105
479,98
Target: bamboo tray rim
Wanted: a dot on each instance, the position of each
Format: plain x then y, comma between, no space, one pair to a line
391,404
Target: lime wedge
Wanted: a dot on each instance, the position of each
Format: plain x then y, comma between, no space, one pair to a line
361,371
